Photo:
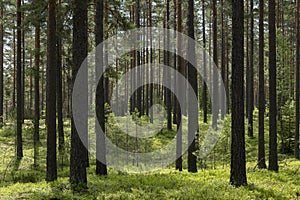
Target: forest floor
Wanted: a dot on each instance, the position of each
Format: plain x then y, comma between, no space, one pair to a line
20,180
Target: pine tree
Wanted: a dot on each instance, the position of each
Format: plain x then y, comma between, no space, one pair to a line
101,168
179,89
51,93
193,80
238,155
273,157
297,156
19,143
1,65
261,113
251,79
78,160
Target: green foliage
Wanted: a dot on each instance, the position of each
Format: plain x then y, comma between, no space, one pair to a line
19,180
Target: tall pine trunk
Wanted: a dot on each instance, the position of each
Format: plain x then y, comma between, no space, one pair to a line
179,89
273,157
36,94
297,156
168,75
19,143
251,80
193,80
261,112
101,168
215,58
59,80
1,67
51,93
204,64
238,155
78,157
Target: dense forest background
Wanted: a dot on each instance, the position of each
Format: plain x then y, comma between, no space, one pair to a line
255,46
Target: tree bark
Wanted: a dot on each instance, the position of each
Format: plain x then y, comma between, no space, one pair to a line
238,155
204,64
60,123
101,168
273,157
261,112
36,95
168,75
193,80
51,93
1,67
251,80
296,146
215,58
19,83
78,159
179,89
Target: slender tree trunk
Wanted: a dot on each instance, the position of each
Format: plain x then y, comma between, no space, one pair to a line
247,58
1,68
204,64
138,60
297,156
101,168
238,156
23,68
193,80
273,157
261,114
251,79
223,71
36,136
60,123
175,64
151,62
179,90
19,83
215,58
30,86
78,160
51,93
15,70
168,75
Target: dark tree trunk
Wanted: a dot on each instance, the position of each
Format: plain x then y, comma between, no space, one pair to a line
23,68
251,80
138,61
51,93
101,168
15,70
297,156
247,58
37,95
168,75
78,160
151,61
223,71
193,80
1,67
30,86
204,65
175,64
261,114
19,83
273,157
238,155
179,90
215,58
60,123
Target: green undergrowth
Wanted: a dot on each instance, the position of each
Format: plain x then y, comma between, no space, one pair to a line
21,180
